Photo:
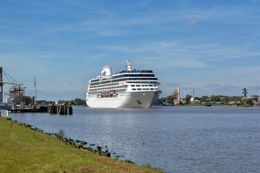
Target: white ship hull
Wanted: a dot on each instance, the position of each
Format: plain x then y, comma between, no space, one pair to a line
141,99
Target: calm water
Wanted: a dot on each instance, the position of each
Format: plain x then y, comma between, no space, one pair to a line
177,139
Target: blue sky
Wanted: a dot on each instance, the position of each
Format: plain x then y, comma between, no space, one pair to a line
210,46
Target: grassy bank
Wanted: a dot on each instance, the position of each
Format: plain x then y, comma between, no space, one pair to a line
25,150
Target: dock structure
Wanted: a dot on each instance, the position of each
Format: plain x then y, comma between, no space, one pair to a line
51,109
18,102
30,109
61,109
16,94
5,106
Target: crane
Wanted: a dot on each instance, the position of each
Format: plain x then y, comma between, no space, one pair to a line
18,85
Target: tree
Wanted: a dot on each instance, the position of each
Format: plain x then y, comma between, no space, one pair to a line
188,98
204,98
169,100
78,101
249,102
216,98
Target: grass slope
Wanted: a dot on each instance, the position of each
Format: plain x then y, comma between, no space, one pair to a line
25,150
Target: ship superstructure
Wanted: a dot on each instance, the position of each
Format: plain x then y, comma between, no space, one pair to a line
128,88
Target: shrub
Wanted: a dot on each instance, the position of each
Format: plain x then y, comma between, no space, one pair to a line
129,161
60,135
90,149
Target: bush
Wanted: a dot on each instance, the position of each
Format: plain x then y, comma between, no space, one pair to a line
28,125
249,102
90,149
60,135
147,165
129,161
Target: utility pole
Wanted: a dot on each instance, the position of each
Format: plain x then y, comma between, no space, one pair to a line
1,85
35,90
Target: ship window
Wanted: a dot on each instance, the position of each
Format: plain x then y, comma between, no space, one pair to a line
132,85
134,89
138,85
138,88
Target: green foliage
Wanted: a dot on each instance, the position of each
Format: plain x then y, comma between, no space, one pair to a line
65,102
76,101
216,98
204,98
187,99
147,165
90,149
219,100
169,100
129,161
60,135
249,102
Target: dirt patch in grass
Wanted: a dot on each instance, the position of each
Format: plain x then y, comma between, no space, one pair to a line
85,169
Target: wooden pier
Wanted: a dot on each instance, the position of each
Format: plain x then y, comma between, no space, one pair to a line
51,109
60,109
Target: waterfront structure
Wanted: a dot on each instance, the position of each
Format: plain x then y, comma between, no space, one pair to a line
128,88
16,95
176,96
16,99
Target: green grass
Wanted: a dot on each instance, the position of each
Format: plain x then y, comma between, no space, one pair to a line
25,150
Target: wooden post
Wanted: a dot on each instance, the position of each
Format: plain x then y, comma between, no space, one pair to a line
70,110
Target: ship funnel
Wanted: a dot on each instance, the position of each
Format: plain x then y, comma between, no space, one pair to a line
129,66
106,71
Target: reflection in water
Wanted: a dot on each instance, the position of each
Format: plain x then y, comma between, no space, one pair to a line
178,139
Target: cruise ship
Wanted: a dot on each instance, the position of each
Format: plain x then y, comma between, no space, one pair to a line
129,88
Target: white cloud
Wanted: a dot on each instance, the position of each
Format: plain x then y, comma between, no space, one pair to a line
181,54
111,22
193,21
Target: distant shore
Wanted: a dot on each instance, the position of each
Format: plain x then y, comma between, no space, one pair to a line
247,106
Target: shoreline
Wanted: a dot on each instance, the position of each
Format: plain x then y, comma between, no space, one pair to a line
79,147
213,105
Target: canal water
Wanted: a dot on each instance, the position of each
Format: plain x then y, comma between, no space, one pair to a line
176,139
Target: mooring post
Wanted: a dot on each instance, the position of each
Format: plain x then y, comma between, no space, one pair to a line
70,110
